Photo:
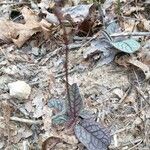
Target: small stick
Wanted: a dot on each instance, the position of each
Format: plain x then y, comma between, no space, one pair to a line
128,143
116,35
130,34
125,95
142,94
28,121
14,3
21,109
136,145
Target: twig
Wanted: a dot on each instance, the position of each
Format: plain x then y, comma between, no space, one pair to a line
121,130
20,108
130,34
136,145
127,144
52,54
125,95
113,35
63,74
78,38
28,121
14,3
117,35
142,94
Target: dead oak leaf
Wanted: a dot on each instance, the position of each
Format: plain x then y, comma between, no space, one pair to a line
19,33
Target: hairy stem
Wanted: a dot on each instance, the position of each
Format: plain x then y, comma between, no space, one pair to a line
65,39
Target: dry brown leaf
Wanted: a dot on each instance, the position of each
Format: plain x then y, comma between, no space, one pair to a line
77,13
131,98
50,143
22,133
144,55
146,24
142,66
122,60
130,26
126,60
20,33
47,115
118,92
38,102
128,10
45,28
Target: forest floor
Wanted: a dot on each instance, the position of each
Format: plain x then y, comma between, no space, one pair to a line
112,77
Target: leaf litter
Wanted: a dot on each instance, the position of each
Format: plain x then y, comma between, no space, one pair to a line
108,64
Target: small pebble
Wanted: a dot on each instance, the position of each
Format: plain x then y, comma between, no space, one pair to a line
19,89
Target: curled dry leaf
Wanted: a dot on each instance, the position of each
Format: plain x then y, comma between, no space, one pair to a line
145,56
51,18
77,13
143,67
126,60
122,60
19,33
129,25
55,138
144,24
45,28
50,143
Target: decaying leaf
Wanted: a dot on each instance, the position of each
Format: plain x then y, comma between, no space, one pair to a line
51,17
46,118
144,55
38,102
74,103
146,24
50,143
143,67
77,13
122,60
126,60
129,25
130,10
59,137
128,46
101,48
20,33
92,135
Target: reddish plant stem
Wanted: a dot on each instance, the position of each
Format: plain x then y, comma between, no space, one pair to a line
65,39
